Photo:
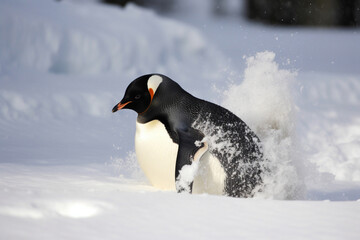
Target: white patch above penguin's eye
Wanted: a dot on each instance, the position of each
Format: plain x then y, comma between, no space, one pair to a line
154,82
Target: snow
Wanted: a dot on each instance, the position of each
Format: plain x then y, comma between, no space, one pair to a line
186,176
67,164
265,90
90,204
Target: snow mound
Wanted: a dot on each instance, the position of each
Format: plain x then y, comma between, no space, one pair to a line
264,100
62,38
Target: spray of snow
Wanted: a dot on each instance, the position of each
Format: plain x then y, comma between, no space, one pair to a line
127,167
213,134
264,100
186,176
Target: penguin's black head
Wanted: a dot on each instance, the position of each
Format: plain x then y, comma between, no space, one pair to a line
139,93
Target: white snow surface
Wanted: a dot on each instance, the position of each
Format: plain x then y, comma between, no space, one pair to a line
67,164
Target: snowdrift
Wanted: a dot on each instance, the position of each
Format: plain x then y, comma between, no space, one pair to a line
66,38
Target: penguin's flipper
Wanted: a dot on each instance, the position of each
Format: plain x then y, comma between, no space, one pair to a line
189,144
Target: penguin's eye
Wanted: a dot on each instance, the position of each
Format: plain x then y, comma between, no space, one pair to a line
137,97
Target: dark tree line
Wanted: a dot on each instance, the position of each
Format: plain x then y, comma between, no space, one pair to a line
283,12
305,12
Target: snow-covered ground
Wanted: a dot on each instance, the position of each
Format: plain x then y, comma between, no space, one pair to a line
67,167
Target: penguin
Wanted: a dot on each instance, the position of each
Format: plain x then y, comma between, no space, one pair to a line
187,144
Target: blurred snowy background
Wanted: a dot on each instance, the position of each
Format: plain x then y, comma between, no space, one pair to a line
66,160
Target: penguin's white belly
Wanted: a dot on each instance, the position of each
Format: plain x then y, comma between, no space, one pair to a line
156,153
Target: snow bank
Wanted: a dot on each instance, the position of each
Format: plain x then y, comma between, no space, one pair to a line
68,38
264,100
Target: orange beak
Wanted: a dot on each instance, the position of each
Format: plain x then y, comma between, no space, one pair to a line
120,106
